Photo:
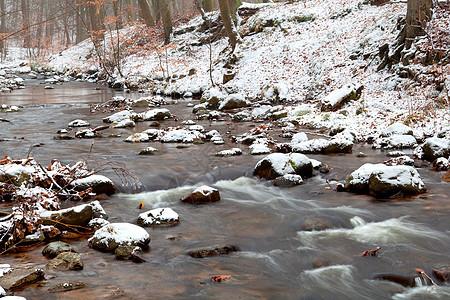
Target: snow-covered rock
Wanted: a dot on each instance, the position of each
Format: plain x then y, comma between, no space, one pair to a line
79,215
113,235
181,136
230,152
260,146
98,183
121,115
288,180
336,98
125,123
79,123
337,145
157,114
384,181
212,97
233,101
150,151
159,217
279,164
202,194
435,147
138,137
400,160
397,128
396,141
298,138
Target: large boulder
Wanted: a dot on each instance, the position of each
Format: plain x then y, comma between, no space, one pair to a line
212,98
203,194
159,217
78,215
435,147
396,141
384,181
279,164
98,183
233,101
113,235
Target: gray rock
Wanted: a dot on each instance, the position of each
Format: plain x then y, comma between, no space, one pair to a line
66,261
55,248
288,180
19,278
150,151
67,286
127,252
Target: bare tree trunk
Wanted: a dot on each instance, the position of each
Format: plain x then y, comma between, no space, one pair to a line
208,5
417,15
25,6
81,24
97,27
2,24
156,10
167,19
228,22
146,13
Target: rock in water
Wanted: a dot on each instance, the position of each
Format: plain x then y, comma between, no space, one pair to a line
67,286
279,164
55,248
213,252
66,261
159,217
203,194
99,184
443,274
435,147
384,181
446,177
114,235
79,215
19,278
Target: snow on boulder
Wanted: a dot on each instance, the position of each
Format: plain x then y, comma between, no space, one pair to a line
125,123
114,235
397,128
230,152
203,194
396,141
79,123
316,146
384,181
159,217
233,101
298,138
212,97
338,97
138,137
121,115
279,164
157,114
435,147
16,173
100,184
79,215
260,146
288,180
181,136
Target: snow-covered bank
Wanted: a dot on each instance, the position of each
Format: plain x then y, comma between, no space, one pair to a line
296,54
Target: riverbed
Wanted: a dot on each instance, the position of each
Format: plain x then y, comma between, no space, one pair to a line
277,259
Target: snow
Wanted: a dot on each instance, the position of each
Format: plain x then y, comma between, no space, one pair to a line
154,114
125,123
121,233
158,216
181,136
16,169
4,269
204,190
298,137
230,152
284,163
119,116
396,175
396,141
91,180
338,95
396,129
78,123
139,137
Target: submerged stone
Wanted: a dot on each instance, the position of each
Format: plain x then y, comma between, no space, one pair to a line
202,253
19,278
55,248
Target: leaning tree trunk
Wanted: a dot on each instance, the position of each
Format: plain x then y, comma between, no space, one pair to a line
146,13
417,15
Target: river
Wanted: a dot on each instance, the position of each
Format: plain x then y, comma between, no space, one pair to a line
277,260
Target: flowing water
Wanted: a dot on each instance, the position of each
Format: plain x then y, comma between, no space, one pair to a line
277,259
